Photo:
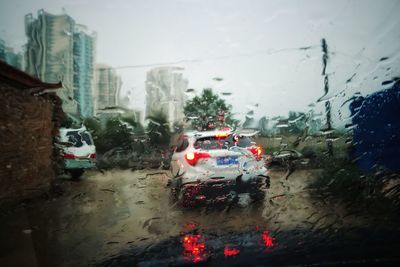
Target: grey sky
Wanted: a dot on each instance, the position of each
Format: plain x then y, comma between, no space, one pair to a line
248,43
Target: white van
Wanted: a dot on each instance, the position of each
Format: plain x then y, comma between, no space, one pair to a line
79,151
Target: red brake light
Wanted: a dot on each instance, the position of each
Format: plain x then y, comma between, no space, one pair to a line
69,156
92,156
222,135
192,158
256,150
259,151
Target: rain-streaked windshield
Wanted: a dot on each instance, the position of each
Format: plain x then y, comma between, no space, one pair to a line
199,133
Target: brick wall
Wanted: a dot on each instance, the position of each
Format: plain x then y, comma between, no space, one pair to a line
26,144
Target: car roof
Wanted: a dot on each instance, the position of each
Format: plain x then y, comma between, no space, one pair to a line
66,130
197,134
201,134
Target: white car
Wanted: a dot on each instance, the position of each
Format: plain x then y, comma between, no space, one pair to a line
216,166
79,151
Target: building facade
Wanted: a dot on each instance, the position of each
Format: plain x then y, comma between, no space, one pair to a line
165,93
107,87
49,53
84,55
8,55
31,122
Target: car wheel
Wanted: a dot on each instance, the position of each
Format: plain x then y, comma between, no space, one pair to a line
233,198
258,189
257,196
76,173
186,196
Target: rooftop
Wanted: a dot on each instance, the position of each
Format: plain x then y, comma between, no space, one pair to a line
22,80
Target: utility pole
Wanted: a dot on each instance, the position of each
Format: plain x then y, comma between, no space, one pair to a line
325,58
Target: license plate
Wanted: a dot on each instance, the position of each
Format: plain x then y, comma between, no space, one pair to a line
227,161
82,159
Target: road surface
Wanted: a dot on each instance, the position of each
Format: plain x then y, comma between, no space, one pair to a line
105,213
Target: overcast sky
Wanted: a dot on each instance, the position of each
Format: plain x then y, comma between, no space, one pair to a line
252,45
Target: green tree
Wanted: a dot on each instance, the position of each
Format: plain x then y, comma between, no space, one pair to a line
138,129
93,125
116,134
67,122
208,111
158,129
297,122
177,127
130,120
231,121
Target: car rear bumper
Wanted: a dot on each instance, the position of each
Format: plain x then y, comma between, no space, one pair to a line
79,164
216,188
195,194
221,190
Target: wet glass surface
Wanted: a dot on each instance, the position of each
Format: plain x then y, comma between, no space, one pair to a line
222,133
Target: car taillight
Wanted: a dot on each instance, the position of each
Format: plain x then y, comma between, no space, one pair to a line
193,157
92,156
69,156
256,150
221,135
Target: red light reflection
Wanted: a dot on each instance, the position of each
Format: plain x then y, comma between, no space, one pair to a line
231,251
268,240
194,248
191,225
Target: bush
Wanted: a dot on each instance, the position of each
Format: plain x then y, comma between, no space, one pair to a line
115,133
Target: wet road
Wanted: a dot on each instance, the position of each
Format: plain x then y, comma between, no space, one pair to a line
106,213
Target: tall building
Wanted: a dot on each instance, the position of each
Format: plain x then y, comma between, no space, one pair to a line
84,55
107,87
8,55
314,122
165,87
138,116
49,53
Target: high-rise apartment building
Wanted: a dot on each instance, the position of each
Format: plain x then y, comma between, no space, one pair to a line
165,92
8,55
107,87
49,53
84,54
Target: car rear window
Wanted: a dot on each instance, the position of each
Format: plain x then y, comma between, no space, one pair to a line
213,142
244,141
210,143
77,138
